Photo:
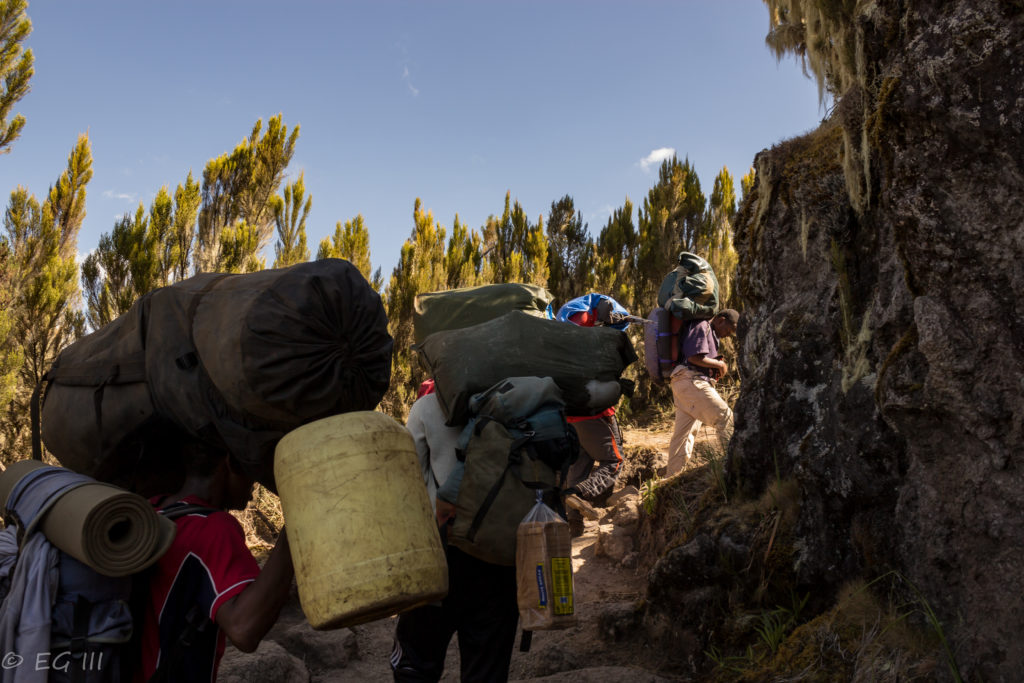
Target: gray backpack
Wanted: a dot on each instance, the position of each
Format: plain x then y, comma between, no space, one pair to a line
516,443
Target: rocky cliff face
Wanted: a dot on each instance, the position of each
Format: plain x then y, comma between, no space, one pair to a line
883,341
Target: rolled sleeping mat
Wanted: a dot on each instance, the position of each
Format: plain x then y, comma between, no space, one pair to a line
113,531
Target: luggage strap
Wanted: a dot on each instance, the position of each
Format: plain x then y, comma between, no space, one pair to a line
92,374
515,457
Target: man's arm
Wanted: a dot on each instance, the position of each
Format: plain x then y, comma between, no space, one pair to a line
247,617
702,360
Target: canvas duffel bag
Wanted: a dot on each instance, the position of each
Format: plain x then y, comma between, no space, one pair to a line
236,360
585,362
457,308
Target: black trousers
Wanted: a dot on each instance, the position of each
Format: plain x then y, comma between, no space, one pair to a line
481,607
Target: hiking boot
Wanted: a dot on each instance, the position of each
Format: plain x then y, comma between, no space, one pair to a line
583,507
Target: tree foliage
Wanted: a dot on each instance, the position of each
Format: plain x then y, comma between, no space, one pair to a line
15,67
516,248
465,264
42,241
671,220
178,250
616,255
225,221
420,268
290,216
236,216
715,243
143,251
570,252
352,243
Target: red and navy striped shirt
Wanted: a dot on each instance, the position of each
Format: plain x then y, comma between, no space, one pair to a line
207,564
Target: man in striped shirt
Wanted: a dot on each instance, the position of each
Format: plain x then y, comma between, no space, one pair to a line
208,585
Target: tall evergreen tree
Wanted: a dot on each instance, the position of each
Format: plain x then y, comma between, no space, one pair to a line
465,265
178,248
46,312
516,248
570,252
420,268
17,218
159,240
615,261
352,243
290,218
669,221
716,242
142,252
236,218
15,67
747,184
240,247
10,350
106,273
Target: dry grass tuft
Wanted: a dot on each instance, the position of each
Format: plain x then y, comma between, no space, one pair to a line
262,520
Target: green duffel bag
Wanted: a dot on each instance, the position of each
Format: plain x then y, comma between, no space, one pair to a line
690,292
585,362
457,308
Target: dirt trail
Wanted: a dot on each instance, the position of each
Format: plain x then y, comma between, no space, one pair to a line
603,586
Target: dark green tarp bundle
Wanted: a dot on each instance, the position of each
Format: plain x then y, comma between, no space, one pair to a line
457,308
236,360
585,362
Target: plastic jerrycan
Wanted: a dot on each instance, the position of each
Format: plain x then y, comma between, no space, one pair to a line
363,538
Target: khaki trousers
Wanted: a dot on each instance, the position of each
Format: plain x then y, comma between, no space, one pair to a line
696,401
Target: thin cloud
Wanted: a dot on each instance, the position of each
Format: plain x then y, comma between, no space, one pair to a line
407,79
124,196
656,157
599,216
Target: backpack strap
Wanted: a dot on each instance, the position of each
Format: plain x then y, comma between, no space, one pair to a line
514,458
180,509
79,636
126,371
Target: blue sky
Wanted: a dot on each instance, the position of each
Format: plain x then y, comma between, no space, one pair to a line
452,102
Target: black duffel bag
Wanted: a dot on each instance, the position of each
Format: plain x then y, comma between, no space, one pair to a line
234,360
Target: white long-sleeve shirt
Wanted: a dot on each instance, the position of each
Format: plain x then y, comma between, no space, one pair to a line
435,442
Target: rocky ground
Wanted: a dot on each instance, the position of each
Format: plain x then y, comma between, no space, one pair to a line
609,578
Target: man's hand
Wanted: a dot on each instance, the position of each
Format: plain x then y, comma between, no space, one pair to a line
444,511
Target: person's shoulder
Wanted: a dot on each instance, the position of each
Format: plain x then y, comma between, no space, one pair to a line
697,326
425,408
208,521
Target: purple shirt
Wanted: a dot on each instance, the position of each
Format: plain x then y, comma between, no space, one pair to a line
698,338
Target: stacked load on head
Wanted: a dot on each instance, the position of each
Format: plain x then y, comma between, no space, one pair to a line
507,330
455,309
689,292
235,360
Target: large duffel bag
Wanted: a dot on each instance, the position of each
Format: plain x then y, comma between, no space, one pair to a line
457,308
690,291
585,362
235,360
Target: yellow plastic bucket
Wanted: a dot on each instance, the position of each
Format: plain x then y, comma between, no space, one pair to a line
362,534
